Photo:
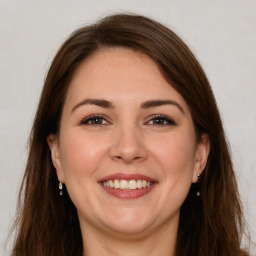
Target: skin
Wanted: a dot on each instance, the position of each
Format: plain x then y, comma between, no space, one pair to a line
128,139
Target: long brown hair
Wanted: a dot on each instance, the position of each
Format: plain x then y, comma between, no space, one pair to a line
210,225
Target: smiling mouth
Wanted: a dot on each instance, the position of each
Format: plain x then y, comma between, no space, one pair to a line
127,184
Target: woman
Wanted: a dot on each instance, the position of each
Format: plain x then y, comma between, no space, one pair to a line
127,152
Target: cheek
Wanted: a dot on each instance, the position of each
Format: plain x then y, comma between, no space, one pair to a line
175,154
80,157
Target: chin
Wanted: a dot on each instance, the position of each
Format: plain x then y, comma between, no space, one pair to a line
130,222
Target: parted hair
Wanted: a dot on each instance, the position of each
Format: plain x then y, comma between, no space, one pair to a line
210,225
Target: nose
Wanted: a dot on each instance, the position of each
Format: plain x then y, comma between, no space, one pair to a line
128,145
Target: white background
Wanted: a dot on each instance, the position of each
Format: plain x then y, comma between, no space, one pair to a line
221,33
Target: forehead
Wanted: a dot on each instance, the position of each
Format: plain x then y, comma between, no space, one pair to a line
120,74
117,65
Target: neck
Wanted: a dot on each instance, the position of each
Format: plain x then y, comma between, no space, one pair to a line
154,243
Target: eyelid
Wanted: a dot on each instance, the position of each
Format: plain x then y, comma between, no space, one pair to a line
169,120
85,120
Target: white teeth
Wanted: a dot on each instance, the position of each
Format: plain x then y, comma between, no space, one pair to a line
111,184
124,184
139,183
127,185
132,184
116,184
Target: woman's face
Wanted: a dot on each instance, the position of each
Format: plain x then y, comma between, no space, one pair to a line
126,151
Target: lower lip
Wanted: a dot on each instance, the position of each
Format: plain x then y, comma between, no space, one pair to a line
128,194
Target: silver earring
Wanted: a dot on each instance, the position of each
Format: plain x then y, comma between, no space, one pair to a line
60,188
198,191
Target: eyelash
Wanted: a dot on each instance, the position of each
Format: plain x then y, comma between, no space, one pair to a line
91,118
164,121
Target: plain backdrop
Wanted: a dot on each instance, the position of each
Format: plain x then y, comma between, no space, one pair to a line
221,33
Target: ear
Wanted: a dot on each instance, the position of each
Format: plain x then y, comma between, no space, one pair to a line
201,156
55,155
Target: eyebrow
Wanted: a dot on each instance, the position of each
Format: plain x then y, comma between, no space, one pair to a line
97,102
145,105
158,103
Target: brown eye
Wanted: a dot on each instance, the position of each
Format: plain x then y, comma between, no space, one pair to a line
94,120
161,121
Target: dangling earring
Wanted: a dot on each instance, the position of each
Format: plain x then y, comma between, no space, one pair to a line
60,188
198,181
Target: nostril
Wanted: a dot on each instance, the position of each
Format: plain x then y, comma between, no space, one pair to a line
128,150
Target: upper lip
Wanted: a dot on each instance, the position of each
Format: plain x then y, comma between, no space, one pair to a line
126,176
